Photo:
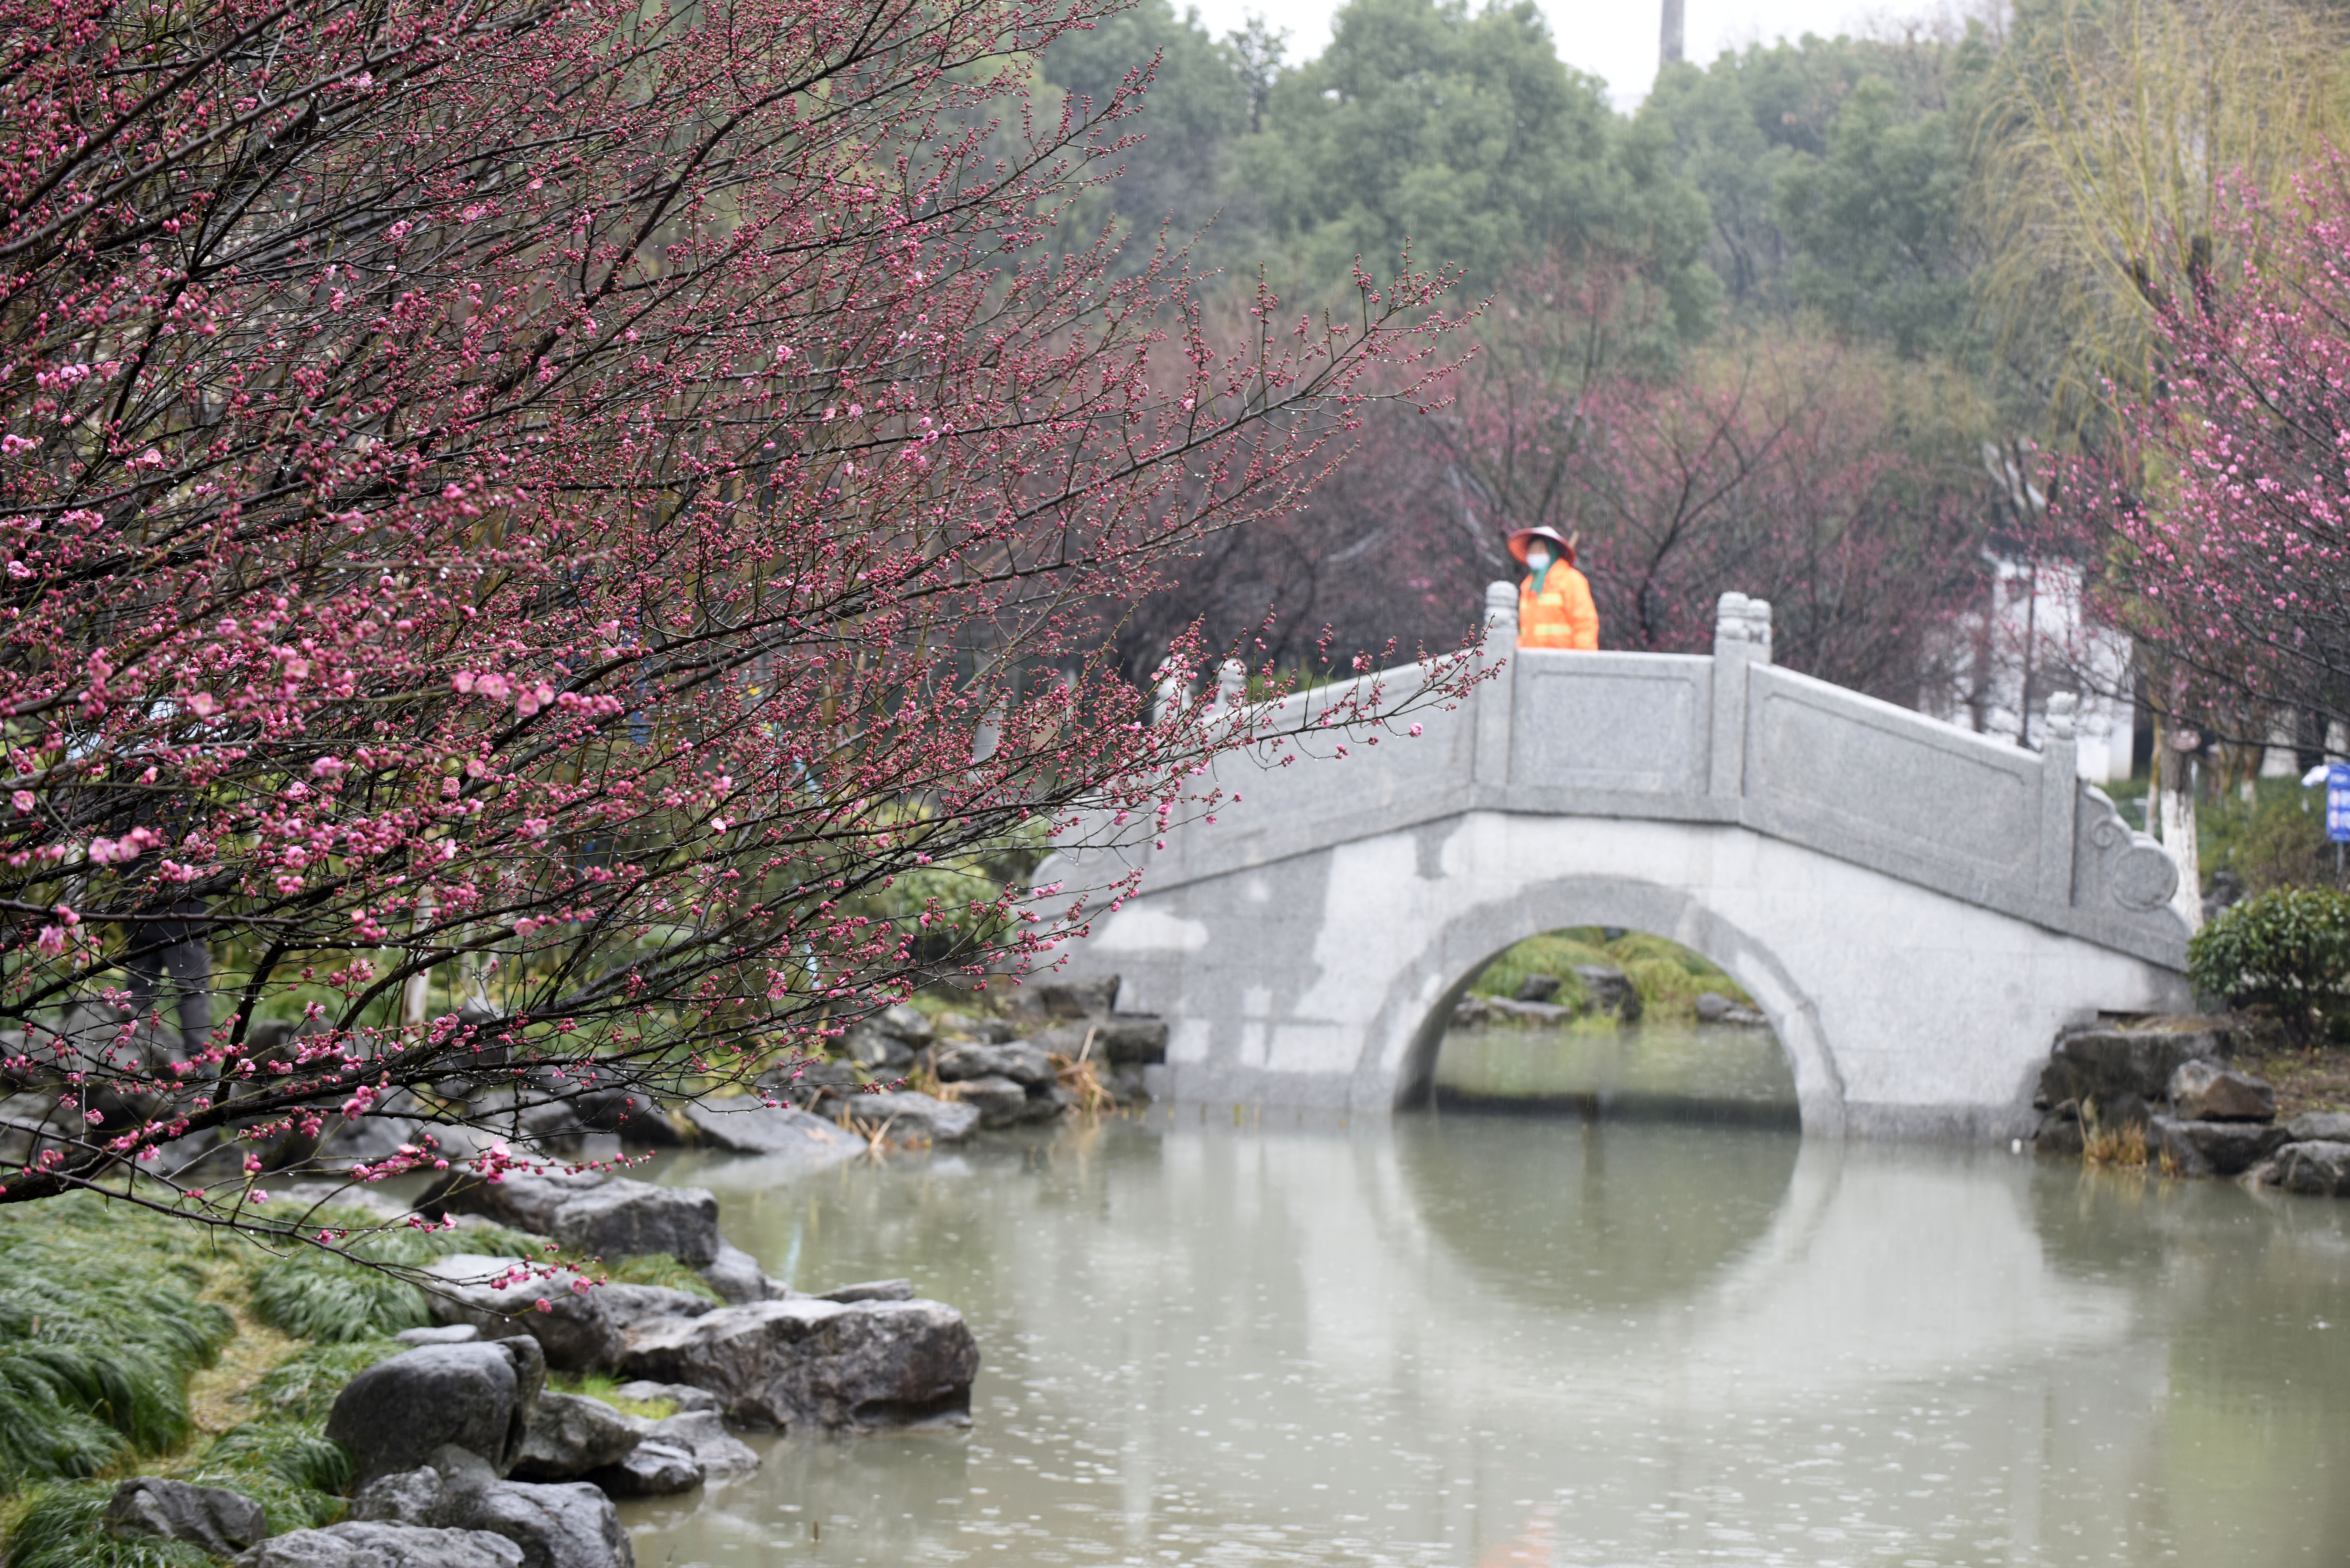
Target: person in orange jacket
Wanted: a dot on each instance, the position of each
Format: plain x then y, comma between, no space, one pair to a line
1554,608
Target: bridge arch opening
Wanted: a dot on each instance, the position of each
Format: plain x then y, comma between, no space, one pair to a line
1420,1006
1604,1021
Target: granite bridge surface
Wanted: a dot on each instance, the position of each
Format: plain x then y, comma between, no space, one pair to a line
1916,907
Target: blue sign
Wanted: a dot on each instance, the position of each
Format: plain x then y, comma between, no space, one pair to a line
2337,802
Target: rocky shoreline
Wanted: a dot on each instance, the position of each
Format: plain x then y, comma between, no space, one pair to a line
465,1458
2163,1093
1056,1048
463,1455
1599,988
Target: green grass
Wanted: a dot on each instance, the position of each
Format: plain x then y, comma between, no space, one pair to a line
602,1386
102,1325
301,1388
1668,975
61,1525
318,1295
101,1328
661,1269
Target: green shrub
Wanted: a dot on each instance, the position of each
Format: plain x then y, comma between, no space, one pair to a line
2287,950
2277,840
100,1329
1668,975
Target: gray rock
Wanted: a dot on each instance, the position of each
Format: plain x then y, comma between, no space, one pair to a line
576,1332
2060,1132
368,1138
888,1039
907,1115
703,1434
2098,1065
2117,1113
441,1333
655,1468
633,1307
1026,1064
2319,1126
518,1201
688,1400
2203,1091
868,1291
879,1053
999,1102
625,1219
556,1524
809,1084
628,1113
1610,989
1544,1012
808,1362
963,1028
736,1277
569,1434
394,1415
744,1125
28,1123
1712,1007
221,1521
1471,1013
1537,988
357,1544
405,1496
2169,1147
2220,1149
1063,1000
2322,1169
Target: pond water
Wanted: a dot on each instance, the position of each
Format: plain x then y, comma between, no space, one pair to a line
1672,1071
1451,1339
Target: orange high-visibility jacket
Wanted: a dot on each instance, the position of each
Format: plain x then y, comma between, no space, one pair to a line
1562,614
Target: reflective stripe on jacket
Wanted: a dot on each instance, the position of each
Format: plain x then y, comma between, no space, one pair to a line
1562,614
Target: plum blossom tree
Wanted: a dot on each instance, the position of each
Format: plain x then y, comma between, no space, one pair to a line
561,546
2218,525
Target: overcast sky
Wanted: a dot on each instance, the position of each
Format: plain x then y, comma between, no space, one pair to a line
1616,41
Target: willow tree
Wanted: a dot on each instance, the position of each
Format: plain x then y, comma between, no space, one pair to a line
2109,130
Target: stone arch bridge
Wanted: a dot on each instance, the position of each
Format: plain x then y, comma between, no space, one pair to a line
1917,908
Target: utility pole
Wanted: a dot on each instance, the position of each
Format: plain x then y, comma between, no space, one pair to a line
1668,45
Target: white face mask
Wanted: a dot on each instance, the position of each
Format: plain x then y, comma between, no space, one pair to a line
1539,556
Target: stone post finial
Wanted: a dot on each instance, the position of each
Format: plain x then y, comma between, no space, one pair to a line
1758,627
1730,618
1502,606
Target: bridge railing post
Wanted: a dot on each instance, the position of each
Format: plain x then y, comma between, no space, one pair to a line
2060,792
1494,695
1742,640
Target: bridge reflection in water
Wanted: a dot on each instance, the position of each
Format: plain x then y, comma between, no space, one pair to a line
1432,1341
